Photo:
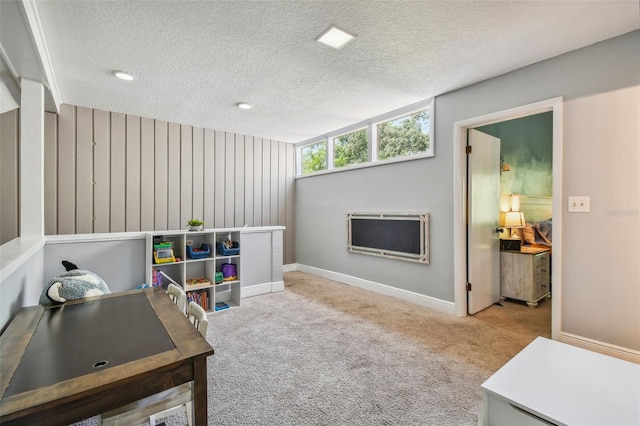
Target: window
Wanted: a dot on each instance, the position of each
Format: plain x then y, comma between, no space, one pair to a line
351,148
408,135
314,157
399,135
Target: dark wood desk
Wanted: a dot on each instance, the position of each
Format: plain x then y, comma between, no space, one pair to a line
66,363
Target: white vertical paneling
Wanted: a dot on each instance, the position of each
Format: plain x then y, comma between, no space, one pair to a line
282,176
198,173
248,180
84,170
257,182
290,181
266,182
173,189
67,170
147,175
209,178
101,171
50,173
273,178
9,176
229,180
153,175
161,172
118,170
186,175
239,182
133,173
220,179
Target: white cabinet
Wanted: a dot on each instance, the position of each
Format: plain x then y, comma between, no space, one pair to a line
524,275
550,382
197,259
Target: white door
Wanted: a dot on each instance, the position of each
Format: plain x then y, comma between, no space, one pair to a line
483,248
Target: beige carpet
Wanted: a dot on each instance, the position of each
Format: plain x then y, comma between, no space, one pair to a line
325,353
487,339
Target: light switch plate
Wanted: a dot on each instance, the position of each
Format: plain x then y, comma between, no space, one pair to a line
578,204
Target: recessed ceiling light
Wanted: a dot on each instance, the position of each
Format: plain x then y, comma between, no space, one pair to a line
335,37
244,105
123,75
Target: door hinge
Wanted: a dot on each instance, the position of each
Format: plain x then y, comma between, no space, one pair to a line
469,149
468,286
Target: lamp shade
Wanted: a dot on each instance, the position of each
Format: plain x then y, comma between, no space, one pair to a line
514,220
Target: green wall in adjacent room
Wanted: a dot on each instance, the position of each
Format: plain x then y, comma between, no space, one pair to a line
526,146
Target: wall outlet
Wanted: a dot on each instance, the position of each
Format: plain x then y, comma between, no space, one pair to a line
578,204
189,242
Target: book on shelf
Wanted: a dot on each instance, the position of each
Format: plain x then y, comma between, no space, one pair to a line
221,305
199,297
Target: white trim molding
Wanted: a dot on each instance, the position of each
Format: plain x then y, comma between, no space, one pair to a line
290,267
33,20
601,347
460,203
258,289
408,296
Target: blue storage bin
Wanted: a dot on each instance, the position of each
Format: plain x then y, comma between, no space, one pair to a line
222,250
203,252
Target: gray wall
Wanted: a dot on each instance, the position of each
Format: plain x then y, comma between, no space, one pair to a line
120,263
322,201
111,172
21,288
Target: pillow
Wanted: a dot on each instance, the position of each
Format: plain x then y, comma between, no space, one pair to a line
528,234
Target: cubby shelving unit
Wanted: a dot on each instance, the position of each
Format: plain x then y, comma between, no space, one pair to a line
185,267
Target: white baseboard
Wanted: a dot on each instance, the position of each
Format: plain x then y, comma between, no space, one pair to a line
600,347
409,296
258,289
277,286
290,267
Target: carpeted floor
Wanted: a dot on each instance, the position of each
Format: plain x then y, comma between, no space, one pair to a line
324,353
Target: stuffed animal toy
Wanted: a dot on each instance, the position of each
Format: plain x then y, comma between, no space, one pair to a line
71,285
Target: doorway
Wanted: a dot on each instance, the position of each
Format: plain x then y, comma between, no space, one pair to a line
461,193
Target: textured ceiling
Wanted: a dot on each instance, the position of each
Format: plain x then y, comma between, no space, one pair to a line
194,60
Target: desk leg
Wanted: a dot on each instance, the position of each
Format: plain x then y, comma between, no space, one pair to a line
200,391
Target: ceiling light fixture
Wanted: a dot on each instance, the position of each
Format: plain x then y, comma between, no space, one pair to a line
123,75
335,37
244,105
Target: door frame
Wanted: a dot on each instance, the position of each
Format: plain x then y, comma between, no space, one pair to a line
460,201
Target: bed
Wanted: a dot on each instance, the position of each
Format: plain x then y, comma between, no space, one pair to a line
538,215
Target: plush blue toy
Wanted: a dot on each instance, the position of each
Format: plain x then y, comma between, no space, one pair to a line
73,284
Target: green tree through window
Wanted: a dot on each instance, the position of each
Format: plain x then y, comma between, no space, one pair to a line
403,136
351,148
314,157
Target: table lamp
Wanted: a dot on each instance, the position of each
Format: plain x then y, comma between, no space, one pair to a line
514,220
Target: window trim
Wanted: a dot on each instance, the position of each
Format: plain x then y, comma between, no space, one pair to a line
371,125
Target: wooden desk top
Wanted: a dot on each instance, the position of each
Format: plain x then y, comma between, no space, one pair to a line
140,333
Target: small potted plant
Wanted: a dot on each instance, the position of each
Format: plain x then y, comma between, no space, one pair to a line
195,225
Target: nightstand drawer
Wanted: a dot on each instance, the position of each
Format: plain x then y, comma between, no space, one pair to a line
541,259
541,287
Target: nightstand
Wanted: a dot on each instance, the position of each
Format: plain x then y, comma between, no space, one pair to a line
524,275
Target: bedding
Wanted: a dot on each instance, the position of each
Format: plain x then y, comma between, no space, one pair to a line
538,233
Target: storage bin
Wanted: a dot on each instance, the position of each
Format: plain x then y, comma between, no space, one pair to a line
235,249
201,253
